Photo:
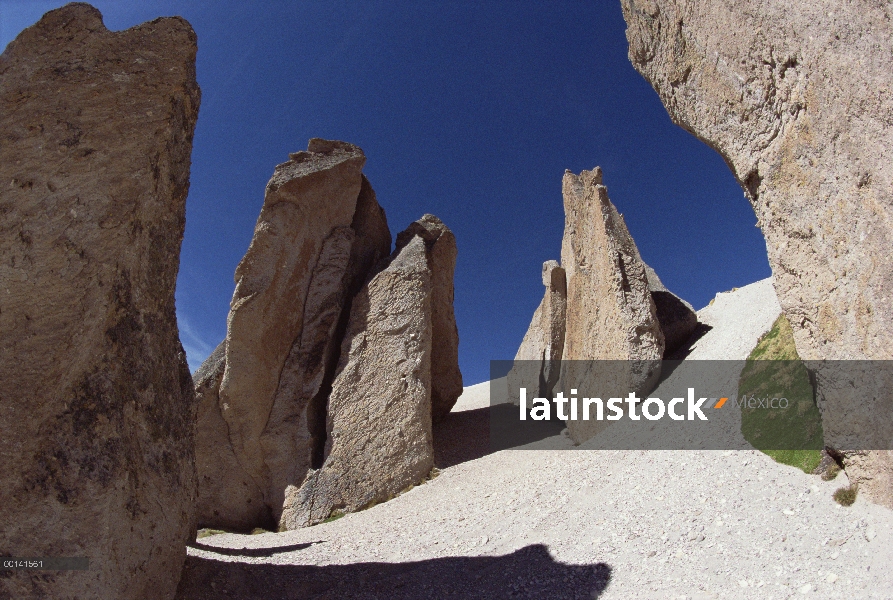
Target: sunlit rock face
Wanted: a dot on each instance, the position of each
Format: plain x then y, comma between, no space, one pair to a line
610,312
262,394
797,99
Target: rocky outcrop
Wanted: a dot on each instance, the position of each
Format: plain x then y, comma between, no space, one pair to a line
610,313
796,99
379,412
678,319
446,379
96,402
538,360
318,235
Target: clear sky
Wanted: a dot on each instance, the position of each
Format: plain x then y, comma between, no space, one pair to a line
468,110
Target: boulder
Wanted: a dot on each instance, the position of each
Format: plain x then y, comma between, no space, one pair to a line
677,318
96,401
793,96
538,360
379,411
446,379
610,312
319,233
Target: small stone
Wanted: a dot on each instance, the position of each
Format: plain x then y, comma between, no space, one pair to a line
805,588
831,578
834,555
870,534
788,512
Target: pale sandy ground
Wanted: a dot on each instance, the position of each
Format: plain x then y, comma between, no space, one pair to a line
579,524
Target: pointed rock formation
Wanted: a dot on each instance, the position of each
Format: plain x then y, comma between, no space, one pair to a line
446,379
538,361
379,411
96,402
318,234
795,99
610,313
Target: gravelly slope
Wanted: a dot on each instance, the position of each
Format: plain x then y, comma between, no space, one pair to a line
584,524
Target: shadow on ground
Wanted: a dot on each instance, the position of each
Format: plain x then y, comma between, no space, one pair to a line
462,436
526,573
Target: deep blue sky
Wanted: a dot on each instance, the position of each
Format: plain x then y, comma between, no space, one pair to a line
470,111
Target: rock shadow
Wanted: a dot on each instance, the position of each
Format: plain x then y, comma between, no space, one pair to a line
685,349
529,572
462,436
258,552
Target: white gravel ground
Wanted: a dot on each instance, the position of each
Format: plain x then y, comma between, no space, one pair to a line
579,524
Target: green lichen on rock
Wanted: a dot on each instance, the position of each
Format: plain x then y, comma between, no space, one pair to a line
791,435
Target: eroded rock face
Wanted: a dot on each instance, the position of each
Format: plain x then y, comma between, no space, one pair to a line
610,313
446,379
538,360
379,411
796,99
318,235
96,402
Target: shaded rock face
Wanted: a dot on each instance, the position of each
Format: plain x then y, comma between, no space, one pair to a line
228,497
796,99
677,318
610,313
441,250
379,412
319,233
541,349
96,402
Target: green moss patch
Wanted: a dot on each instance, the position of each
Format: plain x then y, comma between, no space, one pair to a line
793,435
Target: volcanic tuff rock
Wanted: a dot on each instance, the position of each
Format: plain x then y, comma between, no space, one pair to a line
379,411
677,318
319,233
96,402
610,313
538,360
797,98
440,243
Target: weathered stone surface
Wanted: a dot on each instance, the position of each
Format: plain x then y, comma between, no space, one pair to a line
307,198
96,402
538,360
610,313
446,379
379,411
228,498
797,100
318,235
677,318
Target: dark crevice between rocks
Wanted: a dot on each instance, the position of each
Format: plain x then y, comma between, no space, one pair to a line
318,407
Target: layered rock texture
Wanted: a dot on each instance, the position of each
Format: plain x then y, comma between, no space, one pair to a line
379,411
797,100
610,312
337,353
96,402
538,360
